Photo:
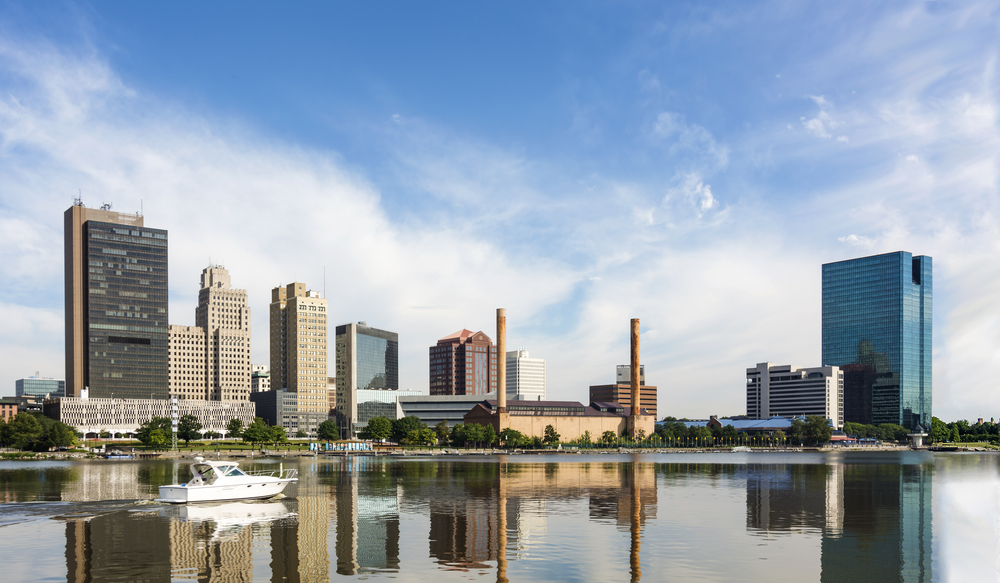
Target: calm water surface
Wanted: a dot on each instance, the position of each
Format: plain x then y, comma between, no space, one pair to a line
679,517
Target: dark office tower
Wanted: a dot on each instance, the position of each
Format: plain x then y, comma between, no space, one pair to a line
116,305
464,363
877,326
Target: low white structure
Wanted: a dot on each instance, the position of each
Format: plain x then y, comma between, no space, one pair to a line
120,416
793,391
525,377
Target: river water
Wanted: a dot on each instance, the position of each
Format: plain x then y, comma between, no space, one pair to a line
850,517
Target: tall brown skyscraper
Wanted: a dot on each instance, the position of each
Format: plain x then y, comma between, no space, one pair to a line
463,363
116,304
298,345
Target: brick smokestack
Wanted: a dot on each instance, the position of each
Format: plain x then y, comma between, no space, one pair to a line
501,360
635,367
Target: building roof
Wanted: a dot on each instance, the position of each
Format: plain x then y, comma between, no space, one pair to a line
556,407
772,424
460,335
463,336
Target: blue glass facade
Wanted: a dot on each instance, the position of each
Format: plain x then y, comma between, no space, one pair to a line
35,387
877,314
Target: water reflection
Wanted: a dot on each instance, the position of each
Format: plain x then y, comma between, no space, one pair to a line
874,518
868,518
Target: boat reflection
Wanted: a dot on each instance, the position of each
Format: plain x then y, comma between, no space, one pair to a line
223,521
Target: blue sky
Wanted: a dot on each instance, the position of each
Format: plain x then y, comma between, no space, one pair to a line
579,163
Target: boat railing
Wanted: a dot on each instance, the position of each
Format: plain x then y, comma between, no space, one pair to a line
282,474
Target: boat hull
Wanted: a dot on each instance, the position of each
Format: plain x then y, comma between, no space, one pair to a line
244,490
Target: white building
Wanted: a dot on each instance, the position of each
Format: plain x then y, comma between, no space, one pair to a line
792,391
525,377
124,416
260,378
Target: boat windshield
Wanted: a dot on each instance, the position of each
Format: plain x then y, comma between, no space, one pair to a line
234,471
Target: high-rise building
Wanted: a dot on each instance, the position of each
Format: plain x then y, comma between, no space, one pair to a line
367,373
463,363
225,315
211,360
116,305
525,376
877,314
792,391
37,386
298,345
188,359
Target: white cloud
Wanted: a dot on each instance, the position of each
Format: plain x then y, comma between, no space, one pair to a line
275,213
672,128
695,192
856,240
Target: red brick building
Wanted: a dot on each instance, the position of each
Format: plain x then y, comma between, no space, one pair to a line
622,393
463,363
8,409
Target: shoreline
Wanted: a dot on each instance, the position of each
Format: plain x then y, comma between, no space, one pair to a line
408,453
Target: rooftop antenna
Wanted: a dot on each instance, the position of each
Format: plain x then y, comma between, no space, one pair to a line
140,207
78,200
106,206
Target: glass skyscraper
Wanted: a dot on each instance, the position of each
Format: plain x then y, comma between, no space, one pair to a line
367,365
116,305
877,327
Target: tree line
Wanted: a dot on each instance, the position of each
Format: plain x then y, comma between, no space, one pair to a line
35,432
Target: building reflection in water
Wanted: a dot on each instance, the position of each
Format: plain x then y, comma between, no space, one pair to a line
874,519
485,513
367,511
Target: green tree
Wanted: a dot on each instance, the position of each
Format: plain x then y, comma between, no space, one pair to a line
328,430
301,433
586,439
608,437
797,431
550,435
55,434
457,435
257,432
489,435
955,436
892,432
402,427
380,429
277,434
145,432
817,429
442,431
474,433
188,428
211,435
939,430
779,436
729,433
234,428
425,436
23,430
513,438
156,438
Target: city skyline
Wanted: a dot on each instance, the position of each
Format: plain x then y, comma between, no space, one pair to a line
651,168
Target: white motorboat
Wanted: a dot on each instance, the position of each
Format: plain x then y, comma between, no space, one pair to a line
213,481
